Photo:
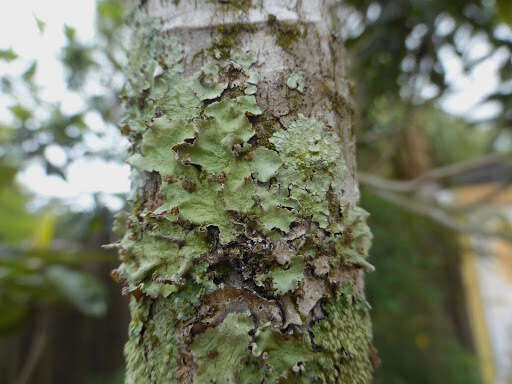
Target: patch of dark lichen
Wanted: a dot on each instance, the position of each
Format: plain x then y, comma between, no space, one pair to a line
229,36
241,5
264,128
339,104
285,33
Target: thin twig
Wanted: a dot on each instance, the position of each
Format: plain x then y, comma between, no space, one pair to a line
36,350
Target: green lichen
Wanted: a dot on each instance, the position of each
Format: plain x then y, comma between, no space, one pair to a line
358,237
286,279
156,152
265,164
296,81
313,165
208,83
236,351
219,351
155,261
156,337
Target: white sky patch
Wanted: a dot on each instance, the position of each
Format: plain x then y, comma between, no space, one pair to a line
84,178
468,90
19,31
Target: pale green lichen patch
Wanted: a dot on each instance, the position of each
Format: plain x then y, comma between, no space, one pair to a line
265,163
156,152
155,261
313,164
296,81
276,209
154,335
219,352
286,279
208,83
358,239
197,200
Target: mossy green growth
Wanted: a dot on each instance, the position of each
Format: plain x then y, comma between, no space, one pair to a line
241,5
344,336
156,336
285,33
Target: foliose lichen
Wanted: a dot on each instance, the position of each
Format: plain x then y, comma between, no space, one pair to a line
240,253
296,81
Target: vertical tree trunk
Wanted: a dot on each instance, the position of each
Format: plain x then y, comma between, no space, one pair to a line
245,249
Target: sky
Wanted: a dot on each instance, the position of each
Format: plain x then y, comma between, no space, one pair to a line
18,29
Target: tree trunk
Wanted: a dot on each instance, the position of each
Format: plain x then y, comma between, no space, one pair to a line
245,251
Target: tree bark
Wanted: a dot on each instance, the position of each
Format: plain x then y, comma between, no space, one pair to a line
245,251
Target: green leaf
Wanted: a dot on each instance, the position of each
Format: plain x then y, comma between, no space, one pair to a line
111,10
20,112
8,55
44,231
70,32
41,25
28,75
79,289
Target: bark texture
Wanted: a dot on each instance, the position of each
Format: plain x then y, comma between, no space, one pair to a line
245,251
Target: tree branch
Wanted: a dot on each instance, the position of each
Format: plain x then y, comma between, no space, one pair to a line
439,215
36,349
438,173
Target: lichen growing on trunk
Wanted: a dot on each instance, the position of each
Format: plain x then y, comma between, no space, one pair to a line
242,256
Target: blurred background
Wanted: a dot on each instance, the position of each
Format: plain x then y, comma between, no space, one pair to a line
433,95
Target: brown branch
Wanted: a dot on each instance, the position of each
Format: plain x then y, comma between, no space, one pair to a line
439,215
36,349
483,199
435,174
